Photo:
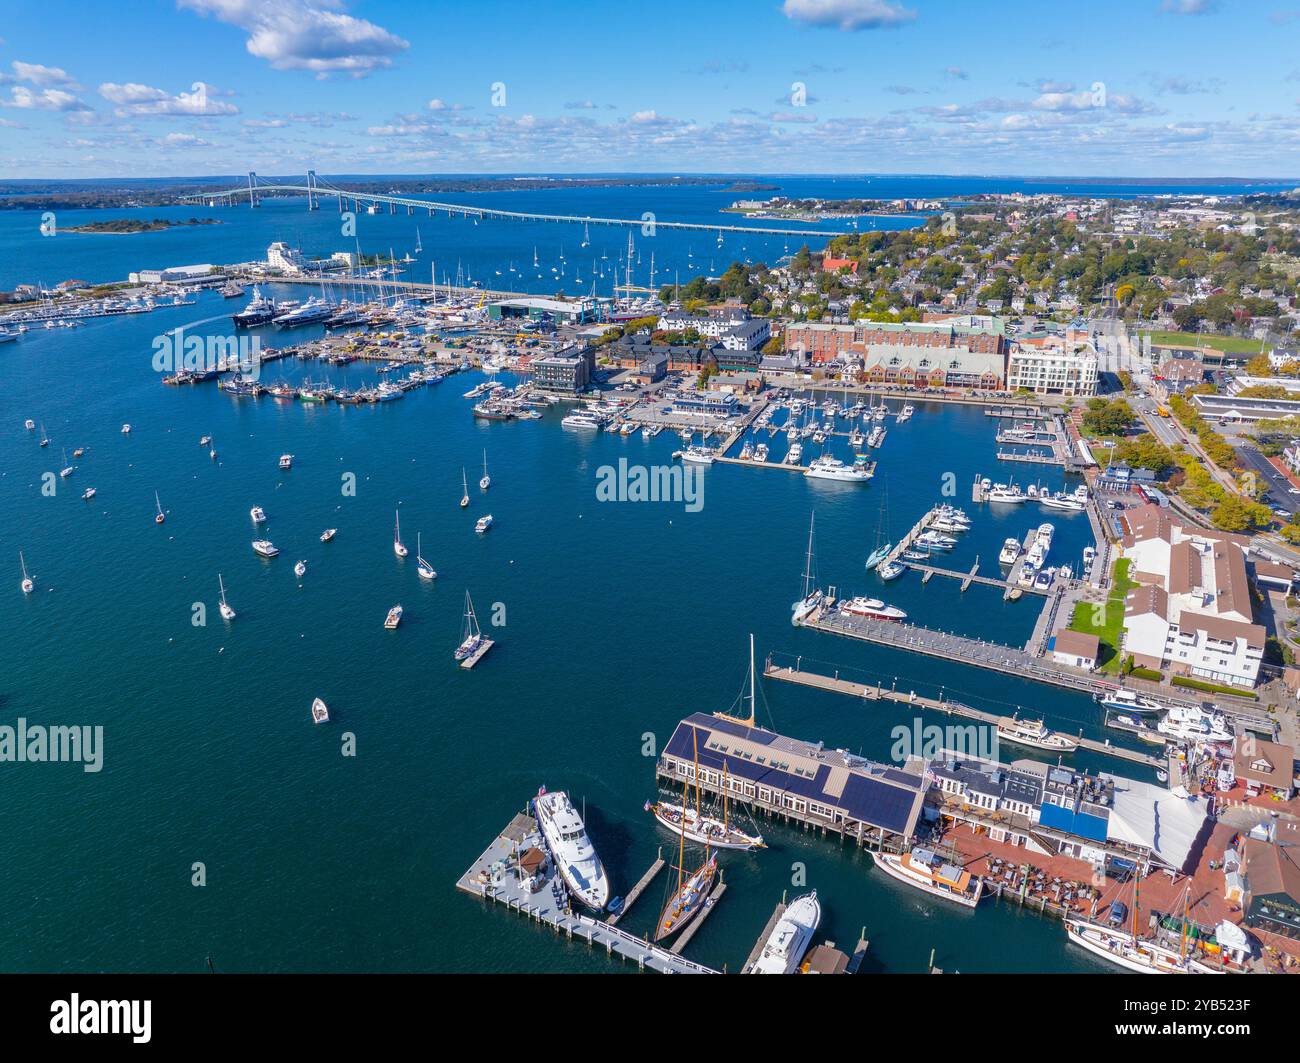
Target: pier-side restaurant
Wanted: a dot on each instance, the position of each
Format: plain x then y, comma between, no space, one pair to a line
797,780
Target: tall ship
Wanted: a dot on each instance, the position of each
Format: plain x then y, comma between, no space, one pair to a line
926,871
790,938
313,310
574,855
259,311
1116,940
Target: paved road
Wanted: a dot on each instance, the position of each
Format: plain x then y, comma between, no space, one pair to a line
1279,487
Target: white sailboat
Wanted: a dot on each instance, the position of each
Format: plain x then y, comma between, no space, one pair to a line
811,597
227,613
486,482
421,565
464,498
160,517
471,635
398,548
27,583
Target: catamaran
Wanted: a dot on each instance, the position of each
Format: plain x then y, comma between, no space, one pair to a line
421,565
227,613
471,635
27,583
790,939
571,849
486,482
398,548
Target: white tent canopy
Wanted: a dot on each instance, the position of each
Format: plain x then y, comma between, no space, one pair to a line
1166,821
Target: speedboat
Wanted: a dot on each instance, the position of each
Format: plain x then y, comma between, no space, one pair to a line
790,938
891,570
1129,701
320,712
571,849
936,540
265,548
393,618
328,534
483,524
873,608
258,514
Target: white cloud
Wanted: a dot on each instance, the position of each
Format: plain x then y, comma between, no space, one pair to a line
43,100
38,74
848,14
1190,7
315,35
133,98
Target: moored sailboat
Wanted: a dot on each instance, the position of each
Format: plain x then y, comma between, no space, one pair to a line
421,565
693,890
227,613
399,549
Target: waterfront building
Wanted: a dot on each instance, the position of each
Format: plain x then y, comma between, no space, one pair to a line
175,274
1076,648
566,372
1050,809
874,342
1192,613
569,311
1052,366
716,403
833,789
1120,476
1264,767
282,258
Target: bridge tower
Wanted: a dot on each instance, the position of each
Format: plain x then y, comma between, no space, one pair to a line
313,201
252,189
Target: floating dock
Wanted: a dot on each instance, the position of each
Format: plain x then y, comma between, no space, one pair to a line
638,889
495,877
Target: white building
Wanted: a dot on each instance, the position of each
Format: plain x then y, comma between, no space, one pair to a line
1054,367
1192,613
731,326
284,259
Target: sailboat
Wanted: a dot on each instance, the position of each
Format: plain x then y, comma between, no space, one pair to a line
67,469
471,636
464,498
27,583
227,613
812,595
882,548
418,246
45,439
398,548
421,565
1111,942
705,829
160,517
693,891
486,482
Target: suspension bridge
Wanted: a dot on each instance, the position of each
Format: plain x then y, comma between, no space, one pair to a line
317,191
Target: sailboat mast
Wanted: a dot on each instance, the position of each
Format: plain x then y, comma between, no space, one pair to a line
752,705
808,561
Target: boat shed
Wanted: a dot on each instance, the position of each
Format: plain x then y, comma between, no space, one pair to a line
799,780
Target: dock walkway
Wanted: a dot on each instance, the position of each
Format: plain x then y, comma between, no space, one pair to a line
494,876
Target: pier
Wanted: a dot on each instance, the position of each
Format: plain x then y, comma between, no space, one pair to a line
495,876
684,938
864,692
905,543
638,889
967,578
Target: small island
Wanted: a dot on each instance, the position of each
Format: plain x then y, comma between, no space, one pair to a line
123,226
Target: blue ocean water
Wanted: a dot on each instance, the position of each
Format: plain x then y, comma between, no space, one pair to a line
613,620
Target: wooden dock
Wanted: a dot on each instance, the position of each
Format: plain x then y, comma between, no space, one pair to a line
905,543
478,654
967,578
638,889
495,877
952,708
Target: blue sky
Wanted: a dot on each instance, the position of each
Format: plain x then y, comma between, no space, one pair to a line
1201,88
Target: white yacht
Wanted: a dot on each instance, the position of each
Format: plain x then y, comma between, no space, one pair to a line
1129,701
1035,734
265,548
581,420
1187,723
1006,494
320,712
790,939
286,461
926,871
300,569
575,857
827,468
795,455
874,609
328,534
696,455
258,514
1010,551
483,524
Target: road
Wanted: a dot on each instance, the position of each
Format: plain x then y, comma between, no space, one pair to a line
1279,487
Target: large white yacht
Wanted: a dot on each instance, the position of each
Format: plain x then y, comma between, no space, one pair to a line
826,468
926,871
874,609
580,420
790,939
1187,723
574,856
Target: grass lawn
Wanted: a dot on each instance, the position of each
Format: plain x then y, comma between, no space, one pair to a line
1106,623
1226,344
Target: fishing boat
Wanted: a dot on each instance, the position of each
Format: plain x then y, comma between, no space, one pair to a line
159,517
693,890
27,583
471,635
320,712
300,569
486,482
483,523
398,548
393,618
1129,701
421,565
1035,734
227,613
328,534
790,938
925,870
265,548
575,857
258,514
873,609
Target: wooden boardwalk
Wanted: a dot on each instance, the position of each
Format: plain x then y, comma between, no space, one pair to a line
953,708
638,889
